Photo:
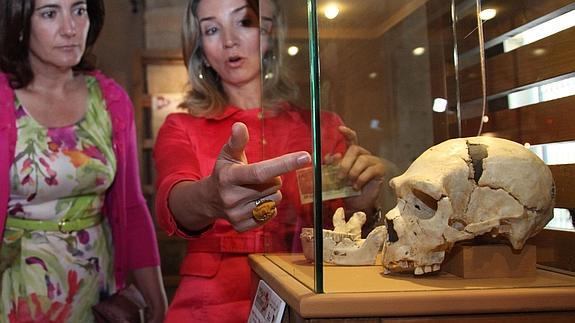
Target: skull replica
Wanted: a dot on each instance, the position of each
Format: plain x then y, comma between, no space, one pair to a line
461,189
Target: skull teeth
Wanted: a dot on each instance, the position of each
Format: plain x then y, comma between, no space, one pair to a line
420,270
404,264
400,266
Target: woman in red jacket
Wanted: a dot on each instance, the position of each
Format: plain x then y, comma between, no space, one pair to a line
215,176
74,223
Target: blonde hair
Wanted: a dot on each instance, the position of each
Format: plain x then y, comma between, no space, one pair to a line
206,96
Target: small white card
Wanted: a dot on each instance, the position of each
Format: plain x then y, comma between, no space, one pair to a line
268,307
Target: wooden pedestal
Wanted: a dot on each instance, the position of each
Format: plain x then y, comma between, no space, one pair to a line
490,261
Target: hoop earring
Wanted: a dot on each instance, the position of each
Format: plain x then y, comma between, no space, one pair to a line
203,67
201,72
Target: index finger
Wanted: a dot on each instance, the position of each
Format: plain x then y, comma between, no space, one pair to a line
262,172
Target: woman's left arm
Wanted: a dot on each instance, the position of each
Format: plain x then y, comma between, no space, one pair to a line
149,283
142,246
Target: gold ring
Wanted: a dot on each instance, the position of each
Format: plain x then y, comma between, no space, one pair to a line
264,210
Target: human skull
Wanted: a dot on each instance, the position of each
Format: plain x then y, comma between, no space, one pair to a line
461,189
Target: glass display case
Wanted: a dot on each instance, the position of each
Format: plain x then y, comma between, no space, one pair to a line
405,76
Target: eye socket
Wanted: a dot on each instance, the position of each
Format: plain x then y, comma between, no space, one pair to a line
424,203
429,201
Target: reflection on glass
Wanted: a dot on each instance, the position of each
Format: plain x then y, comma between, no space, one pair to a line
540,31
387,69
562,220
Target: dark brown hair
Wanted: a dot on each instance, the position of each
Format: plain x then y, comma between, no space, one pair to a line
15,17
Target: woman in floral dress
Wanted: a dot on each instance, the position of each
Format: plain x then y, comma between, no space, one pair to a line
75,222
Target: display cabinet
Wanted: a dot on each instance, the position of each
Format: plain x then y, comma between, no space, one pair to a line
406,75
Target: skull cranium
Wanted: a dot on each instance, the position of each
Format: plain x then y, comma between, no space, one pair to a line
461,189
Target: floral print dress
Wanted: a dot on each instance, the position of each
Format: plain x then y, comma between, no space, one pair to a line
58,173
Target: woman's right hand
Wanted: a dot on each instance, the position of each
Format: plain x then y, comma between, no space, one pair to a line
235,185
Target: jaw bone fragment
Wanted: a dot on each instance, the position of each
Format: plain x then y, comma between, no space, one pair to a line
363,252
343,245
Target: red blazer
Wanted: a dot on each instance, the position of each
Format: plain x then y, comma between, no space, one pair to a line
186,149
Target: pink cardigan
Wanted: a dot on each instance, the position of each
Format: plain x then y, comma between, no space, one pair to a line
135,244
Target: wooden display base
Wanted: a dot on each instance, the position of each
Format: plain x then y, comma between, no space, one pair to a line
490,261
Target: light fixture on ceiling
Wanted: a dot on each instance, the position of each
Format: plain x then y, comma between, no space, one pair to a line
487,14
293,50
418,51
331,11
439,105
540,31
539,51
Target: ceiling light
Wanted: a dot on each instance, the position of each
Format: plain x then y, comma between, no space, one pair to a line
439,105
293,50
539,51
487,14
540,31
331,11
418,51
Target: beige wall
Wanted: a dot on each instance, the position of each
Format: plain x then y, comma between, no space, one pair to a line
121,40
163,20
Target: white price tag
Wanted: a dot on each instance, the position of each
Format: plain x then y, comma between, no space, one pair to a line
267,307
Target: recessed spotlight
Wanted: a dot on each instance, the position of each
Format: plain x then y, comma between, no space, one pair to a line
485,119
293,50
331,11
539,51
527,145
487,14
439,105
418,51
372,75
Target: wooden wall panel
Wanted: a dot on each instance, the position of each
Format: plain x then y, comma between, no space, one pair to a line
522,66
511,15
564,176
555,249
550,121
